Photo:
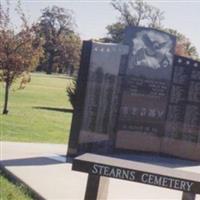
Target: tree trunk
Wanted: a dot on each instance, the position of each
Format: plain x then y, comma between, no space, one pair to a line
5,109
50,64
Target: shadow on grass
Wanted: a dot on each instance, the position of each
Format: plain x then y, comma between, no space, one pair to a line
65,77
68,110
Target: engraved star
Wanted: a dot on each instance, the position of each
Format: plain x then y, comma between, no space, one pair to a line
179,60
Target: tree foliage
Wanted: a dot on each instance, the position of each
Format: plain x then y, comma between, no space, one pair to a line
19,51
140,13
133,13
115,32
62,44
184,46
72,93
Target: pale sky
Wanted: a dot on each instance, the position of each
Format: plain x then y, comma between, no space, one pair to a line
92,16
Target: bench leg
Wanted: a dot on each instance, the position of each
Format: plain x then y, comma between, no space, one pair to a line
92,187
97,188
103,188
188,196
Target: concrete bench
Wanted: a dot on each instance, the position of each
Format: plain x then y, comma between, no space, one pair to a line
100,168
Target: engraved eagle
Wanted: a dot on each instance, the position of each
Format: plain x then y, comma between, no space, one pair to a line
152,49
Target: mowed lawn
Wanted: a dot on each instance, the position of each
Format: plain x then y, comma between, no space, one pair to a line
10,191
37,113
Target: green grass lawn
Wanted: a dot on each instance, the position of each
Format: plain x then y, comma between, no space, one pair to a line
36,113
10,191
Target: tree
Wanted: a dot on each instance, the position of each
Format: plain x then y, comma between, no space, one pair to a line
184,46
133,13
62,44
68,52
115,32
140,13
19,51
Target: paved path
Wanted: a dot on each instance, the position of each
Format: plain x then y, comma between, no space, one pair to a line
42,167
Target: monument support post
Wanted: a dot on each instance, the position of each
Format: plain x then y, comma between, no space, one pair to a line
188,196
97,187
